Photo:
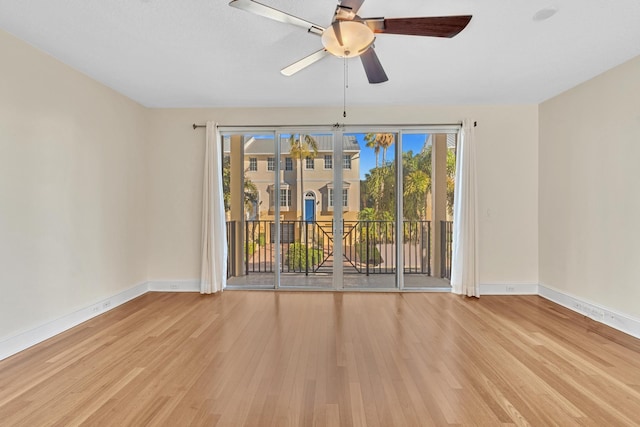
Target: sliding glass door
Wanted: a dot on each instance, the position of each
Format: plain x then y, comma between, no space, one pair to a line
248,181
330,209
369,238
306,219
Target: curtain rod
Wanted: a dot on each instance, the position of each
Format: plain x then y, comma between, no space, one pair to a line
335,125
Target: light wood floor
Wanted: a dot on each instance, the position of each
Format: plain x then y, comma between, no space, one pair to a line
301,359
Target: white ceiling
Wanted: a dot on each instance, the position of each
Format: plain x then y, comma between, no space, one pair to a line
203,53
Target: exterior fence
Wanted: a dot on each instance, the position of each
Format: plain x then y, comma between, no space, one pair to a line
231,248
307,247
370,246
446,248
417,252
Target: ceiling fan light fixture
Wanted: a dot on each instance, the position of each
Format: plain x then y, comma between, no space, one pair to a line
349,35
356,38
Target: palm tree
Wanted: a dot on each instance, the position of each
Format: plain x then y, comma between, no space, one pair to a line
417,185
451,178
372,142
250,198
384,140
303,147
373,186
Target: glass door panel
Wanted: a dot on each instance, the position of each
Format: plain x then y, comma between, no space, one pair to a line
369,210
306,220
428,169
248,181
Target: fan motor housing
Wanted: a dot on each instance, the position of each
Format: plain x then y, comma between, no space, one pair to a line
354,39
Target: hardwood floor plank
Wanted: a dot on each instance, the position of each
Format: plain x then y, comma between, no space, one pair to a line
321,359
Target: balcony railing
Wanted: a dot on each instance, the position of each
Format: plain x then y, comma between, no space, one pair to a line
306,246
446,248
231,248
369,247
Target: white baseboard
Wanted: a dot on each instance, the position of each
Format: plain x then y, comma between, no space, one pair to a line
174,286
47,330
599,313
509,289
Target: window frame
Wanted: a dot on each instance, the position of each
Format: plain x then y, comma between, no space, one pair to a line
328,161
310,163
346,161
331,198
286,192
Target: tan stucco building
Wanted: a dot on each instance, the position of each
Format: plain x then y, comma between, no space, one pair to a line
320,197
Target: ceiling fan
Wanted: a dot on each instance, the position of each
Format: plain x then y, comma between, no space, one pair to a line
350,35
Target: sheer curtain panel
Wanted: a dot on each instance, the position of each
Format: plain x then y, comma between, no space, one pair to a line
213,276
464,262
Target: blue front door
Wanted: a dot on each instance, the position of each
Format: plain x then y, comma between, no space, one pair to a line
309,210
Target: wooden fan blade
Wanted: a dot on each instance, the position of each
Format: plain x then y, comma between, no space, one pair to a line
304,62
338,32
354,5
275,14
434,26
373,67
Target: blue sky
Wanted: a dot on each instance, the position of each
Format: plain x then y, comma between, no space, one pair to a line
413,142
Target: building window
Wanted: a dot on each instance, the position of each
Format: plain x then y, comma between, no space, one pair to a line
285,197
310,164
288,164
346,161
345,197
253,164
328,161
271,164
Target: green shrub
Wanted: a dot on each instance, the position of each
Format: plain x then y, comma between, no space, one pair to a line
374,254
300,256
262,239
251,248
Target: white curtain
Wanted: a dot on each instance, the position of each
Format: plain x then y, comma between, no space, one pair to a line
213,276
464,262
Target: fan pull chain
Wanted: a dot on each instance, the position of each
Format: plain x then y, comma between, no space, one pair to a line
346,86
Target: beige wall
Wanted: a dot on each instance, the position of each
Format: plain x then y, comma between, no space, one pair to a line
507,138
72,190
589,209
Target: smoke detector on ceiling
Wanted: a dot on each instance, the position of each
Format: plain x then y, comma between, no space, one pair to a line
544,14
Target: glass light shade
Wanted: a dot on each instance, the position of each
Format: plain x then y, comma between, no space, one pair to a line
356,38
